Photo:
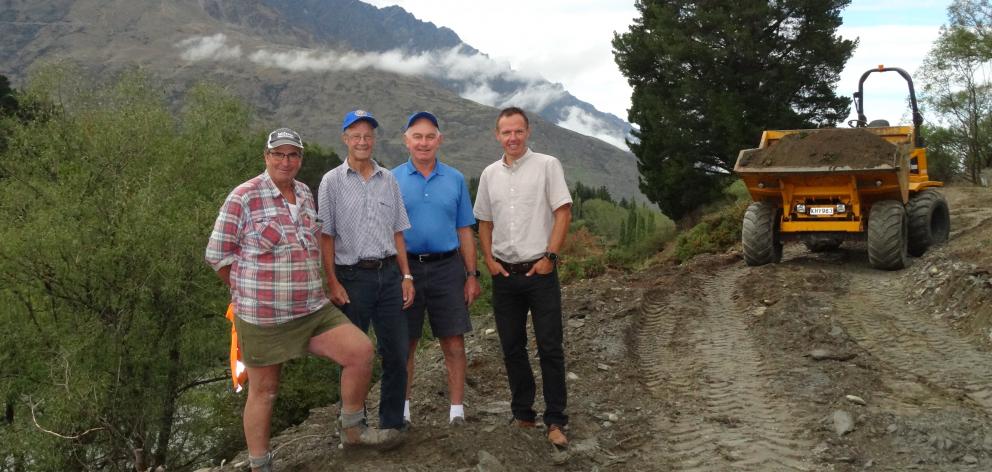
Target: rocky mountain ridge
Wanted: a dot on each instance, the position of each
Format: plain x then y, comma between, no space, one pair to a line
288,60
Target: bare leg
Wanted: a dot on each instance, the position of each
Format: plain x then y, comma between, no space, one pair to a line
352,349
263,386
453,348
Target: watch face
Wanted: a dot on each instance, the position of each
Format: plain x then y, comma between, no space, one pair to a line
551,256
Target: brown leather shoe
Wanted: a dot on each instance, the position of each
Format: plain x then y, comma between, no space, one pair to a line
557,436
526,424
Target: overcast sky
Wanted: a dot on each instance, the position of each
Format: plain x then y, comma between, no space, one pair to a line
568,41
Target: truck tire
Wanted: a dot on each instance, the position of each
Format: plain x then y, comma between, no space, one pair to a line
888,235
929,221
822,244
759,234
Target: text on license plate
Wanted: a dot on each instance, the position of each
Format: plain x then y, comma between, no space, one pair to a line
821,211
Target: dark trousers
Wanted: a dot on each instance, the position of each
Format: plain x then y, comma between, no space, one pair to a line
513,297
376,297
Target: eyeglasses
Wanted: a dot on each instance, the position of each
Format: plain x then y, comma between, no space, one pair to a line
279,156
357,138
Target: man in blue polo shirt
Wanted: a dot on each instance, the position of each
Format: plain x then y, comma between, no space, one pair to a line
440,212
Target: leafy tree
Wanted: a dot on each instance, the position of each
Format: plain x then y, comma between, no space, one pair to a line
603,219
8,102
114,342
709,77
473,187
584,192
581,193
8,110
944,153
958,84
316,162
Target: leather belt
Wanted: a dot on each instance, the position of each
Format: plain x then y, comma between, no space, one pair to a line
431,257
519,268
371,263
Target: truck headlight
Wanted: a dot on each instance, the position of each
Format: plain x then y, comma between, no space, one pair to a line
800,208
841,208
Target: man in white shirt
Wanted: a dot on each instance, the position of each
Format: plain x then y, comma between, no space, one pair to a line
524,209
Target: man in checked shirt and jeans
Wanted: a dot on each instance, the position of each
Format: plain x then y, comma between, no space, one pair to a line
265,247
363,219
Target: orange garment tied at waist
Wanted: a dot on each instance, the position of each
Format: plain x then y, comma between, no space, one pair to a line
239,374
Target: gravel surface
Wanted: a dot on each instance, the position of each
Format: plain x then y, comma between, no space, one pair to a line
818,363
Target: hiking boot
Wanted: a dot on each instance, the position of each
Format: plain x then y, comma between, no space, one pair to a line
525,424
261,463
362,435
557,436
457,422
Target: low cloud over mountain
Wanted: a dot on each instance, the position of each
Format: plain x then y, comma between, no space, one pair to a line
469,73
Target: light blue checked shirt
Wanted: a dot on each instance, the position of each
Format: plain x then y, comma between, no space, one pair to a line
362,217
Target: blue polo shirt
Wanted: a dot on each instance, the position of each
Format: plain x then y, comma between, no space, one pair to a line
436,205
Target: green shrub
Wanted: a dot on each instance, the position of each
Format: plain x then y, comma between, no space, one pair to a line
717,232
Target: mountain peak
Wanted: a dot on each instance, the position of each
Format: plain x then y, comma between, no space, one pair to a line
305,63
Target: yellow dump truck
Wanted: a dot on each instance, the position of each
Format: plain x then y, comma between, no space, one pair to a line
825,186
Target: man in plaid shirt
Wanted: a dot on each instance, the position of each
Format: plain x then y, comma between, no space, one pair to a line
265,247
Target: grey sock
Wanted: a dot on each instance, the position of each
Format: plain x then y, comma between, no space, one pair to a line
262,463
352,419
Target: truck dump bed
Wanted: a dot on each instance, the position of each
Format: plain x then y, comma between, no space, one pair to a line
856,165
826,150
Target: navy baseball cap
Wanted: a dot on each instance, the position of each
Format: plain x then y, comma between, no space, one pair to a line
355,116
422,114
283,136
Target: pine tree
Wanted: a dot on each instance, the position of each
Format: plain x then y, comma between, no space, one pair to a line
708,78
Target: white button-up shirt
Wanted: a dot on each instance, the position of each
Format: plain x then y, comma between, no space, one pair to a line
520,201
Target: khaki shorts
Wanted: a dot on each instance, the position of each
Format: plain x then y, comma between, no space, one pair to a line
269,345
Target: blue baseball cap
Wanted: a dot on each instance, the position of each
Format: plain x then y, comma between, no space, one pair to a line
355,116
422,114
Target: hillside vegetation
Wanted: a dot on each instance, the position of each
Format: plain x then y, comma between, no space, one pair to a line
115,344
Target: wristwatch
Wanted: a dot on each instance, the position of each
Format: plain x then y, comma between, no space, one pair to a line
407,277
552,257
475,273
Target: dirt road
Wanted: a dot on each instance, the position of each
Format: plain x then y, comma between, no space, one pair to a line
823,363
819,363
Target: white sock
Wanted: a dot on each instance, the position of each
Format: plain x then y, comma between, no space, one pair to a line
456,410
406,410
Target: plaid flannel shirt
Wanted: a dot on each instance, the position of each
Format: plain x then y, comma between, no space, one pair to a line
275,261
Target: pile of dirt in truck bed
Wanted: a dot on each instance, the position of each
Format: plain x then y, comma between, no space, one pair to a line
835,148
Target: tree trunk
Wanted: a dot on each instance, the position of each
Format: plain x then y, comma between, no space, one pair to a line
171,387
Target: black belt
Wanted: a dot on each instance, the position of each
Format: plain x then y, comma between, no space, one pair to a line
370,263
437,256
520,268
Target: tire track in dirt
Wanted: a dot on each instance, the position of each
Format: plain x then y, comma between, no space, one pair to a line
903,335
697,354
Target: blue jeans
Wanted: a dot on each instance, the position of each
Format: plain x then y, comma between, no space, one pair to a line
376,297
513,297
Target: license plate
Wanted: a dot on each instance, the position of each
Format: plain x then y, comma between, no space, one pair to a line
821,211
